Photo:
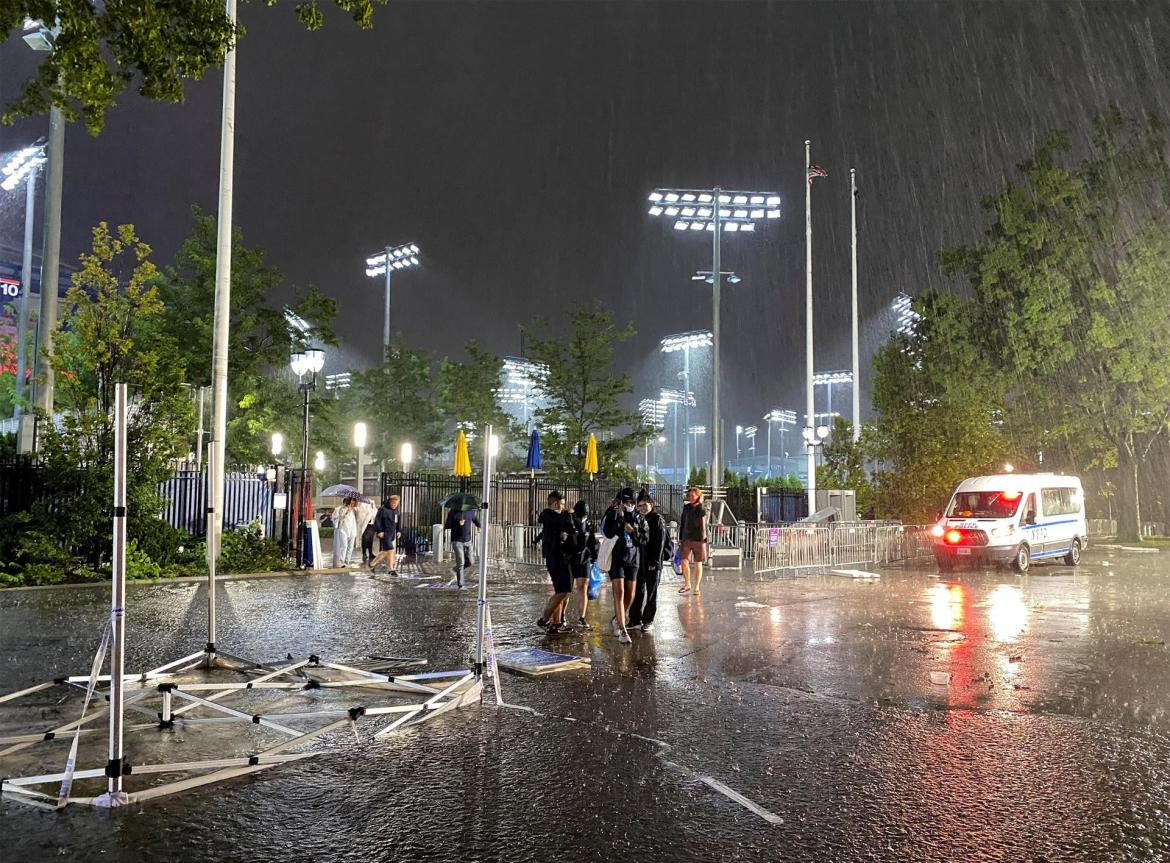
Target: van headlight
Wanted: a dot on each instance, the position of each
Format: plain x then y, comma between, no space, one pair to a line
1006,530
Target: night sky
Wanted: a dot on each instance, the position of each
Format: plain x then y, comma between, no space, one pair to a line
515,142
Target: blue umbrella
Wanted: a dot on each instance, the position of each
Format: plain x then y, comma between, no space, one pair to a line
533,463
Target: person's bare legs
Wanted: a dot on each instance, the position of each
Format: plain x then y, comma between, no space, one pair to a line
584,586
617,587
686,573
698,576
630,589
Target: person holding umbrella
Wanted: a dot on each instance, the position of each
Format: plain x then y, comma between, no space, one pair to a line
459,523
344,531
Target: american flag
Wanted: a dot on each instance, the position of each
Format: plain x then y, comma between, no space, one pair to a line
816,171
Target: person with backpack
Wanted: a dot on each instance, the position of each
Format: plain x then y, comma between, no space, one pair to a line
555,530
658,548
582,553
623,525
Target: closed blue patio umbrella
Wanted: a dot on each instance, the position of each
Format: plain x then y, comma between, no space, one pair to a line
533,462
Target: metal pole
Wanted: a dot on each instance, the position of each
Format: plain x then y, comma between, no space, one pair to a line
117,602
856,355
484,529
301,538
386,322
716,477
810,407
50,260
675,448
199,434
30,201
687,414
769,448
221,323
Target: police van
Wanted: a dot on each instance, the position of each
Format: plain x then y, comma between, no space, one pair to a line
1016,519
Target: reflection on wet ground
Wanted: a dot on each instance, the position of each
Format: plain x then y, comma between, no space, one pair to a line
813,696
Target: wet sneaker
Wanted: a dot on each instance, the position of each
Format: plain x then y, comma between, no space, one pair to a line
560,628
541,623
630,626
583,623
647,627
624,638
613,624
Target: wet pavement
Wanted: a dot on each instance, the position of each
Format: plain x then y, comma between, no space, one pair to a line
810,696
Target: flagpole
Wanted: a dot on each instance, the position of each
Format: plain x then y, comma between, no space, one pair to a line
856,355
810,408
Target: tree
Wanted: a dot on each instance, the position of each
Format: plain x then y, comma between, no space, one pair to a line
260,339
112,338
100,48
398,402
844,464
935,398
1071,292
469,392
582,394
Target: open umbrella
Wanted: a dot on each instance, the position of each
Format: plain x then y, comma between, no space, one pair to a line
462,461
460,500
533,462
591,456
345,491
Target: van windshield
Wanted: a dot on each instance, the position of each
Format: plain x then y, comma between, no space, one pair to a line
984,504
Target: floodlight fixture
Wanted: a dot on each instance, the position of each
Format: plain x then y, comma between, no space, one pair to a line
685,341
706,276
21,164
838,377
783,417
742,212
391,259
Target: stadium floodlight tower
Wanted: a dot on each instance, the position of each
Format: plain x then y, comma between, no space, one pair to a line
522,386
653,413
782,418
391,258
684,399
694,211
23,166
684,342
827,379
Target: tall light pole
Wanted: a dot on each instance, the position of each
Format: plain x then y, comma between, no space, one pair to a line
782,418
813,438
653,413
359,441
24,165
716,211
853,282
308,362
386,262
521,385
684,342
750,433
40,37
738,432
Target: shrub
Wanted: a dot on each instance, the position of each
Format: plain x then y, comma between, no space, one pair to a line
247,550
157,540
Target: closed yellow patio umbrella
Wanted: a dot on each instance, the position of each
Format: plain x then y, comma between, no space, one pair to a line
462,461
591,456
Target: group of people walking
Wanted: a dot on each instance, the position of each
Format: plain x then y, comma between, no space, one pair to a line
356,522
634,547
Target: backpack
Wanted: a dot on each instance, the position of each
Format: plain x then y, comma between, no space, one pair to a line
668,545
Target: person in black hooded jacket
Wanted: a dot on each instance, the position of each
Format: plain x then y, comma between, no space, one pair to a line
582,552
645,603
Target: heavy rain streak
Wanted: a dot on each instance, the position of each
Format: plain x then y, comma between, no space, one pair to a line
674,431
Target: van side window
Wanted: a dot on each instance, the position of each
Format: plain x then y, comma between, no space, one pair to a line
1059,501
1028,507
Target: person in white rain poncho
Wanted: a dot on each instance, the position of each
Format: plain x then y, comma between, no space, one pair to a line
344,532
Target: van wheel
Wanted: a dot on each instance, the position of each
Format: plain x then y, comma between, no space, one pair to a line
1023,559
1073,558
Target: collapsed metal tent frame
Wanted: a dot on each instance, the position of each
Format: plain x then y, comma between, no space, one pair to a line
204,702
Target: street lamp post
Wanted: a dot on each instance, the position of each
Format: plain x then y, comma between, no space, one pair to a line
685,342
717,211
24,165
359,441
308,362
813,439
391,258
407,457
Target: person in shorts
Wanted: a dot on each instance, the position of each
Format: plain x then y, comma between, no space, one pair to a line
582,554
388,528
692,532
623,523
555,530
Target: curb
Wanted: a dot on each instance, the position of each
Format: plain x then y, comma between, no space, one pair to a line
186,579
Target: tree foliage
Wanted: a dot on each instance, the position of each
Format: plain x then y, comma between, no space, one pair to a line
261,394
100,49
583,392
844,465
112,336
469,392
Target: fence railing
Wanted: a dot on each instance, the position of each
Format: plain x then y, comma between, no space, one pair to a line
788,546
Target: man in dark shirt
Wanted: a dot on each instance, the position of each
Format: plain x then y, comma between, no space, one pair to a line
387,527
458,524
555,528
692,532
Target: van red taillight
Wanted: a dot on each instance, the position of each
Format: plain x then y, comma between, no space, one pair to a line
954,537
